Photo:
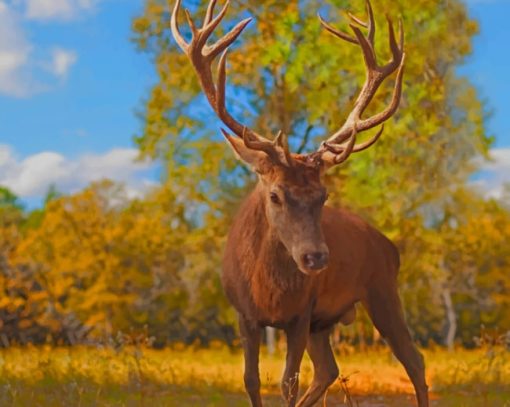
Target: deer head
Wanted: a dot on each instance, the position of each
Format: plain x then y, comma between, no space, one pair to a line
292,191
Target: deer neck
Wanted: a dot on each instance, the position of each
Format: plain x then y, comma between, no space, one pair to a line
274,260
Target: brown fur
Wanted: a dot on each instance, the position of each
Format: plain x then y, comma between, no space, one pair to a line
289,262
266,286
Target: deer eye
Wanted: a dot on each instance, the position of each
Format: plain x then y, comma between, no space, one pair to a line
274,198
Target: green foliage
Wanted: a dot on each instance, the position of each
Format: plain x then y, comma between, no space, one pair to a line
286,73
8,199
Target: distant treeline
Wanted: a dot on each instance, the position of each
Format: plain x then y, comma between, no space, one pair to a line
92,264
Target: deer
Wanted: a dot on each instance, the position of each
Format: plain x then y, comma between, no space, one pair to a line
290,261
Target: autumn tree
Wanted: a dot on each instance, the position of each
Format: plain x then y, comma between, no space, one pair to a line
95,263
11,218
474,262
288,74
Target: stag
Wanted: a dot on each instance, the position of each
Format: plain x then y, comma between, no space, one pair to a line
290,261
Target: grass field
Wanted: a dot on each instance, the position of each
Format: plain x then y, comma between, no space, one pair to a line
135,376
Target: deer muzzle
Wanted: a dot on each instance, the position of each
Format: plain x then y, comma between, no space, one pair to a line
313,262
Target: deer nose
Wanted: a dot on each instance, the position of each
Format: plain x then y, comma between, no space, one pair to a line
316,260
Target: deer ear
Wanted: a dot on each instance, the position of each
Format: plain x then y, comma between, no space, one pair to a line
256,159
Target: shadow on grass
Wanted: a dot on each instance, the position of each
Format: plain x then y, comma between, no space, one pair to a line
86,393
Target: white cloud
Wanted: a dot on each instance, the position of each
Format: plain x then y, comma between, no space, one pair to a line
14,54
18,69
31,177
62,61
57,9
500,160
496,173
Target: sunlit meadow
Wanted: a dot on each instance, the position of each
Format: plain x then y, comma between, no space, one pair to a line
136,375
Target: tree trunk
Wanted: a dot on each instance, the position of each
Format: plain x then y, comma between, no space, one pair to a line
451,318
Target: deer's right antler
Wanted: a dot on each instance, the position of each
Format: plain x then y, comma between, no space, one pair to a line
202,57
341,144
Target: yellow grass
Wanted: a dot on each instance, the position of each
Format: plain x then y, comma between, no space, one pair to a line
186,376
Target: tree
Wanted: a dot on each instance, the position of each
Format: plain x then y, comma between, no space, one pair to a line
288,74
476,263
11,218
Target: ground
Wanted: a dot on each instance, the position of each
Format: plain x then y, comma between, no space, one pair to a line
184,376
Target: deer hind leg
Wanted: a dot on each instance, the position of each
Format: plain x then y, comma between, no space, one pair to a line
297,336
385,310
250,338
324,366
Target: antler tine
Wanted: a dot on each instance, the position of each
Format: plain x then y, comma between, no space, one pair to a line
392,107
336,32
221,87
224,42
396,49
202,57
340,144
367,48
401,33
282,142
338,149
210,12
363,146
370,25
215,21
340,158
262,144
174,25
191,23
357,20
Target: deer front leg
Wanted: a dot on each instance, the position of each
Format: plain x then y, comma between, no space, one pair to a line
250,338
385,309
297,336
324,366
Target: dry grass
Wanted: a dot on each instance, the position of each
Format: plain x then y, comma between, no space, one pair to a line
135,376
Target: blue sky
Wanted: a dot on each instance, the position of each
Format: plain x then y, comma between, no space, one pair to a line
69,88
489,64
71,81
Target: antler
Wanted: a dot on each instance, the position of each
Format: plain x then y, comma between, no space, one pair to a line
341,144
202,57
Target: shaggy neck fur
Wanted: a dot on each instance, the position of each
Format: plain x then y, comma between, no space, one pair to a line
272,262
